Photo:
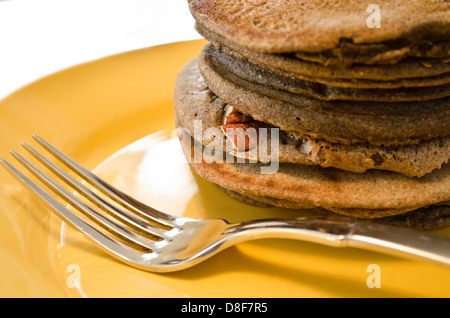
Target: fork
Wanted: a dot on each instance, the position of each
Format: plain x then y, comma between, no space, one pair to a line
151,240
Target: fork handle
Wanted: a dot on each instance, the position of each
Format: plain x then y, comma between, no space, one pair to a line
401,242
348,233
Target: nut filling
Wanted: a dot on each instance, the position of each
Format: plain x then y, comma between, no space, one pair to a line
243,131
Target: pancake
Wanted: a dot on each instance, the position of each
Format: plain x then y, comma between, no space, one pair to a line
238,63
378,53
427,218
194,101
281,26
357,75
344,122
373,194
311,88
361,113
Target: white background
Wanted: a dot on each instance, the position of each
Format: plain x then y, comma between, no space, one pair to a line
40,37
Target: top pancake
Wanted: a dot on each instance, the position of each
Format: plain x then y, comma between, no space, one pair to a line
279,26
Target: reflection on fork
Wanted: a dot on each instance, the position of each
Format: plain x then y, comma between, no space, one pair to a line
145,238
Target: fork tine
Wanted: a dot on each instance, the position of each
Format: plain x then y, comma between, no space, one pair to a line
133,238
132,220
107,243
110,191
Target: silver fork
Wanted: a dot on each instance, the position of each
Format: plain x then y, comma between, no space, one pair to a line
145,238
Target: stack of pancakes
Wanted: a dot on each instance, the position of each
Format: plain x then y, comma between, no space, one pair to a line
363,113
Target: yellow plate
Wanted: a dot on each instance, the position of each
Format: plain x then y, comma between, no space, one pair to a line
115,115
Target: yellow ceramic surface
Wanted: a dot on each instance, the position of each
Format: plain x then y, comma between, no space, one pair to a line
115,115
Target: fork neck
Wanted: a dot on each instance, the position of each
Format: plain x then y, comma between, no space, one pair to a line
332,232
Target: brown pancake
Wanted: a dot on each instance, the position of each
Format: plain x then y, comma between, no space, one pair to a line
194,101
346,122
427,218
358,75
241,64
373,194
317,26
378,54
373,103
311,88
